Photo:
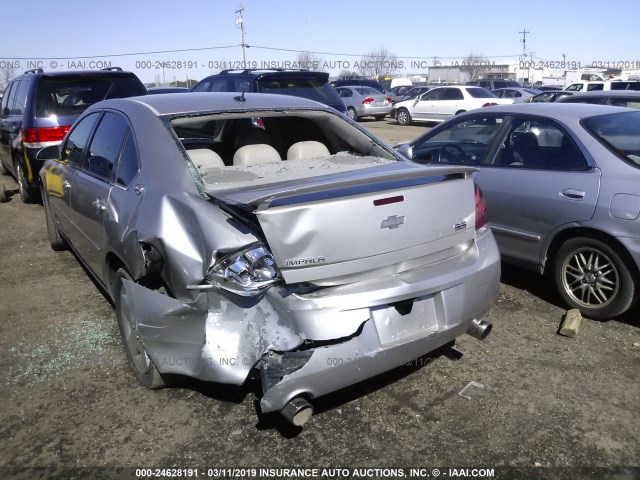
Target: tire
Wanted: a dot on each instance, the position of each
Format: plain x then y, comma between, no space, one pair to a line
352,114
592,277
403,117
460,111
142,366
379,117
57,243
23,187
3,169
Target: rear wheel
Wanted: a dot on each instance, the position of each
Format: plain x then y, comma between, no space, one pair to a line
403,117
139,361
55,240
25,194
460,111
592,277
352,114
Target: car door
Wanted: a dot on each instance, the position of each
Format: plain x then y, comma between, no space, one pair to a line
452,101
424,107
6,128
92,185
58,176
535,180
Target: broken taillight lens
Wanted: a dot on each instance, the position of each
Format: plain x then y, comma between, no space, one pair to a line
246,272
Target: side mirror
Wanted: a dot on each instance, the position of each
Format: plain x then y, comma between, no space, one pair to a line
406,150
50,153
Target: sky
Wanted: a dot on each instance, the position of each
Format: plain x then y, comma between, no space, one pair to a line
77,34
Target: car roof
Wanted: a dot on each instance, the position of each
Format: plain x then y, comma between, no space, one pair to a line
561,111
609,93
78,73
177,103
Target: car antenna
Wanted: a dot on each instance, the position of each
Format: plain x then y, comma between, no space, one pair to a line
240,98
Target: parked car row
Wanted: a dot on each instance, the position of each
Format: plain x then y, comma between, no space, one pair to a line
252,234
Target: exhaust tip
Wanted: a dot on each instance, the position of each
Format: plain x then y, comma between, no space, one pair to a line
298,411
480,329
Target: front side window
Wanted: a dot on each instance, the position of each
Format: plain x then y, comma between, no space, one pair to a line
105,146
7,100
464,143
537,144
73,150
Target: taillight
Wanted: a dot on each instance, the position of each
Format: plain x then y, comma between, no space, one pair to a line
388,100
482,224
35,137
489,104
367,101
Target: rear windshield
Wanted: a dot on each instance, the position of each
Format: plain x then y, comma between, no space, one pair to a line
477,92
306,87
619,132
367,91
73,95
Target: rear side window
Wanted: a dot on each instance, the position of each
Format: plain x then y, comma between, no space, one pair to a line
21,98
78,139
74,94
618,132
129,165
105,146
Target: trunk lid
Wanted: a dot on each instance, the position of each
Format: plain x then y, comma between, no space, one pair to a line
333,228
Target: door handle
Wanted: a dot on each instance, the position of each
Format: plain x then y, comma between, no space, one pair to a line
572,194
98,206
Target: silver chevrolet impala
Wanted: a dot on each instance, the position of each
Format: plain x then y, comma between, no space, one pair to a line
239,233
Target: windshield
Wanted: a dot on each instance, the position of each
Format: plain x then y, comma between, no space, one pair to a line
619,132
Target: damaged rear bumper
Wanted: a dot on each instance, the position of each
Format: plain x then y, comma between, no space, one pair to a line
339,336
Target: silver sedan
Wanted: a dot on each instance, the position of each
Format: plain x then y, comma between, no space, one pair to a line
562,185
364,102
267,236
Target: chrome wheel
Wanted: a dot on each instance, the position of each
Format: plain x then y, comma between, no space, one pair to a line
595,276
590,277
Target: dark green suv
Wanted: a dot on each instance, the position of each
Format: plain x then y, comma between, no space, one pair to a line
38,108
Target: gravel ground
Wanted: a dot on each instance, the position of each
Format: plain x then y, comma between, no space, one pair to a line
69,401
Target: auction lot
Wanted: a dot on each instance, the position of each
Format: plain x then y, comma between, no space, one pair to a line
70,401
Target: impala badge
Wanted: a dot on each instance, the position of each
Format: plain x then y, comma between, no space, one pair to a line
392,222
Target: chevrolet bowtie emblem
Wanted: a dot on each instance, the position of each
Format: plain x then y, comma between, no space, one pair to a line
393,221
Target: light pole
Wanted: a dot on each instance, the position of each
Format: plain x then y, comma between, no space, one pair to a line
240,24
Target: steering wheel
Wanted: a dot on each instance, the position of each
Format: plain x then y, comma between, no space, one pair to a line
452,153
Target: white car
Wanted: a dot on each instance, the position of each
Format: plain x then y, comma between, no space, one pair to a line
442,103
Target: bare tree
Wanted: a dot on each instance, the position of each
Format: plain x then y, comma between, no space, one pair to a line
379,63
344,73
7,72
310,61
475,65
